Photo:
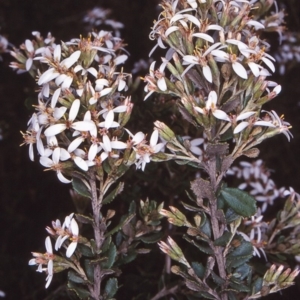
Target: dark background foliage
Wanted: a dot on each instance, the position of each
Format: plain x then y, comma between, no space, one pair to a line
31,199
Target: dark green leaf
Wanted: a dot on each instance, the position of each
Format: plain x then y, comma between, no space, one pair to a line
239,287
241,202
81,188
224,239
217,279
111,256
127,258
74,277
84,219
199,269
111,287
153,238
106,244
80,292
256,285
85,250
89,270
112,195
201,247
120,225
243,271
231,216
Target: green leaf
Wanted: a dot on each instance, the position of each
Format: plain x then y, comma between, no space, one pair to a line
217,279
240,255
205,249
111,287
257,285
81,188
199,269
84,219
111,256
224,239
89,270
243,271
231,216
112,195
106,244
153,238
74,277
241,202
85,250
120,225
239,287
80,292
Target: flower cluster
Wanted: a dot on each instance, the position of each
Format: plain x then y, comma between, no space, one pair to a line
81,112
220,66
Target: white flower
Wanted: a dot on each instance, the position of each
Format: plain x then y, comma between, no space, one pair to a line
79,125
73,228
200,59
43,259
54,164
211,106
144,151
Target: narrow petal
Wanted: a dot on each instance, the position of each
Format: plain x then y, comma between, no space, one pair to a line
46,162
74,110
69,61
109,119
48,245
204,36
83,125
54,98
118,145
29,62
254,68
154,138
170,30
92,152
268,63
161,83
245,115
240,127
71,249
47,76
207,73
56,155
239,70
62,178
55,129
220,114
74,227
75,144
106,143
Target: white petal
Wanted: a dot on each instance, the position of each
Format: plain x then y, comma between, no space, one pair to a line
57,53
83,125
29,62
106,143
268,63
105,92
191,59
207,73
49,279
59,112
170,30
93,71
240,127
204,36
62,178
193,19
69,61
48,245
56,155
54,98
161,83
277,89
154,138
138,137
64,154
220,114
120,109
74,227
239,70
92,152
109,119
29,46
264,123
81,163
121,85
75,144
120,59
74,110
245,115
254,68
47,76
214,27
31,154
118,145
46,162
71,249
55,129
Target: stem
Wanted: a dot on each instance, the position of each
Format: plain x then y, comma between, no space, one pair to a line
217,230
98,233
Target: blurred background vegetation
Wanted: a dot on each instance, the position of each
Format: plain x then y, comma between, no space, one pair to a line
30,198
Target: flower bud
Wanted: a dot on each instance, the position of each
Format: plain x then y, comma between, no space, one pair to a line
164,131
